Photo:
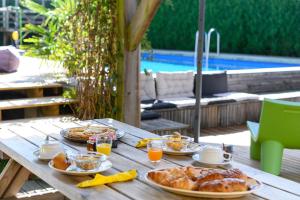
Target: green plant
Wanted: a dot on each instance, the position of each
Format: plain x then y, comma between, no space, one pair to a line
84,36
43,41
146,44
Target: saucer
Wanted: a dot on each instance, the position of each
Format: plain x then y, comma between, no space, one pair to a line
197,158
44,158
38,156
191,149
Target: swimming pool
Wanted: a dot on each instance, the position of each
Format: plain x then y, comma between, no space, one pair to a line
171,63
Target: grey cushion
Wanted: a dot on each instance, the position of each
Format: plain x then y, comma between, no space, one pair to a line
174,84
148,101
181,101
9,59
147,115
147,87
238,96
214,83
156,105
216,100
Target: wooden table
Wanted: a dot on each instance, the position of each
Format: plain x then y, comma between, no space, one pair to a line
19,140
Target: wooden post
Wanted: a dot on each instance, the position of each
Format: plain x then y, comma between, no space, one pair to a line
121,60
138,18
17,183
141,21
132,69
7,175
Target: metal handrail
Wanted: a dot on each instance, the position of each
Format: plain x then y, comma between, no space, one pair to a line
208,44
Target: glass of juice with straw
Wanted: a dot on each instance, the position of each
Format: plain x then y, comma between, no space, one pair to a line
155,150
103,145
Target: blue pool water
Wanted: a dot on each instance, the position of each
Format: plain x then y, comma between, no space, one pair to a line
172,63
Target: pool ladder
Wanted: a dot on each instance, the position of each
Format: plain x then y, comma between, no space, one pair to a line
207,37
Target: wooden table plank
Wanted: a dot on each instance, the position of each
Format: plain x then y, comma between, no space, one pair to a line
21,151
269,179
123,154
140,156
139,189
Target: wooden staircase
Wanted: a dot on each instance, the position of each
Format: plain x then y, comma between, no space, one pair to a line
37,98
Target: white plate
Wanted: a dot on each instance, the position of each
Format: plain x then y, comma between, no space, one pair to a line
37,155
64,133
79,172
187,151
196,157
222,195
195,147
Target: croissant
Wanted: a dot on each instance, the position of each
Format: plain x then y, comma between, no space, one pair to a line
235,173
183,183
162,177
193,172
216,174
176,172
209,176
224,185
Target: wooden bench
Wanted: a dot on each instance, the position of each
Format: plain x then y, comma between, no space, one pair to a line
50,105
163,126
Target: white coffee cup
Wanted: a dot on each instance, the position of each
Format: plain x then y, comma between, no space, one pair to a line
213,155
49,149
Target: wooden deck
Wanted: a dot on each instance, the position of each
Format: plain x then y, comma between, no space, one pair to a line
237,136
33,72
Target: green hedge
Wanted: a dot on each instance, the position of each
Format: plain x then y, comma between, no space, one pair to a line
266,27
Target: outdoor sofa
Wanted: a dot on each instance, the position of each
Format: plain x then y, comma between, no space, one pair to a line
171,95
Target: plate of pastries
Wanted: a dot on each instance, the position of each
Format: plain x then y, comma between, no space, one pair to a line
79,164
82,134
177,144
203,182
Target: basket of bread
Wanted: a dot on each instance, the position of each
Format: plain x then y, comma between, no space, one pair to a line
203,182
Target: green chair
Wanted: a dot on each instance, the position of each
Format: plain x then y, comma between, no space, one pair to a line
279,128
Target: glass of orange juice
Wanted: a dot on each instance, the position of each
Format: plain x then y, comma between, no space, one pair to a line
103,145
155,150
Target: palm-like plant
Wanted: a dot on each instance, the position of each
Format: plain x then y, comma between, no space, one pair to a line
43,40
83,36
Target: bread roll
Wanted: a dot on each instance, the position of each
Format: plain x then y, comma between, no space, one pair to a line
224,185
60,161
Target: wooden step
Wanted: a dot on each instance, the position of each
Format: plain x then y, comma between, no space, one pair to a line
10,86
34,102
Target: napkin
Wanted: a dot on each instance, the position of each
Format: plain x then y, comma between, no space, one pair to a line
101,180
144,142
